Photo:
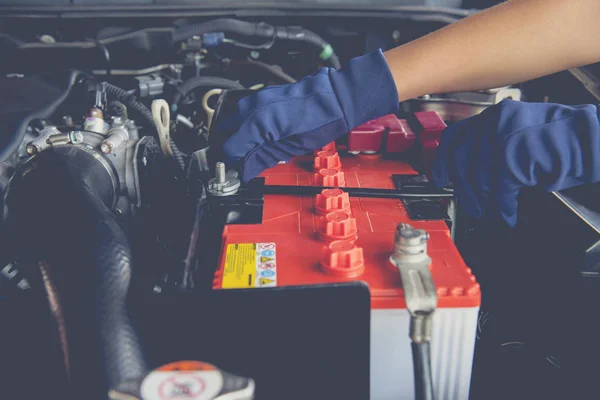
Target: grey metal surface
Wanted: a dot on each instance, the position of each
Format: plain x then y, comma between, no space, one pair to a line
584,212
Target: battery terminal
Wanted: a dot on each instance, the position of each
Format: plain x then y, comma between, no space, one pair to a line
411,259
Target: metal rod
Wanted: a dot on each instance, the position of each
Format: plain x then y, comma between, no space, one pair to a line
354,192
220,172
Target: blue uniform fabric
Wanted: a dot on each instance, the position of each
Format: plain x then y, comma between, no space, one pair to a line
280,122
491,156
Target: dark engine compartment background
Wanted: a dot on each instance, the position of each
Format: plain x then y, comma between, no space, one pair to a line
533,294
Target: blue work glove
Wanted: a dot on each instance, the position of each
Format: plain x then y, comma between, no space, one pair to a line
511,145
280,122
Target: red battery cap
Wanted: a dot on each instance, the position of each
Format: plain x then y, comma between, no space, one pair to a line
344,259
327,160
332,200
329,147
338,226
329,177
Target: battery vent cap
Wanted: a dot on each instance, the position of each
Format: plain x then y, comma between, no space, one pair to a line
344,259
332,200
338,226
329,177
328,147
327,160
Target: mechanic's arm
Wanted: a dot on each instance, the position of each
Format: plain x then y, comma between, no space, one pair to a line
513,42
488,157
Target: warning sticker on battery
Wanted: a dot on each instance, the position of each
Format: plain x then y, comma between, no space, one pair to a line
250,265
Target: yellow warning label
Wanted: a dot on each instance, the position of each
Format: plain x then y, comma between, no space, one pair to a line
266,259
265,281
240,266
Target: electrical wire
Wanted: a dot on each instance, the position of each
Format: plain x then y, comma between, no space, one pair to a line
137,72
264,30
422,370
445,15
264,46
87,44
197,82
273,70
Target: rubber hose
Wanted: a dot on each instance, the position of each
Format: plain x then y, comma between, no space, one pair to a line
422,370
124,97
180,156
224,25
145,112
261,29
318,41
123,356
310,37
76,228
208,82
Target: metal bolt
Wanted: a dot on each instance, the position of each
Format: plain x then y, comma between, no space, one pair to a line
32,149
106,147
254,54
221,173
223,184
396,35
406,235
145,160
402,226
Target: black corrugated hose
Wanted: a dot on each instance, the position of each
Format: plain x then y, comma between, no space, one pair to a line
260,29
207,82
75,229
140,108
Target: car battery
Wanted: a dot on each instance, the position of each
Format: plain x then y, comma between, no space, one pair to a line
331,237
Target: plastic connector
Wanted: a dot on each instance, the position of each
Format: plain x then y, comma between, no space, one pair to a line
344,259
329,177
213,39
332,200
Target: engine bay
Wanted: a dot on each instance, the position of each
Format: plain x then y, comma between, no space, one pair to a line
125,233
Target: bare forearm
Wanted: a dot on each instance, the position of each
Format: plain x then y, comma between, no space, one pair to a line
513,42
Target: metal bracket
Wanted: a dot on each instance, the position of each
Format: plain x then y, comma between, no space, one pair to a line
243,207
421,208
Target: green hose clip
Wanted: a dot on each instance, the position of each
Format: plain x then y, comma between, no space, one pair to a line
326,53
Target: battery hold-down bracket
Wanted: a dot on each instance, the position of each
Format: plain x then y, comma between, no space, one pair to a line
243,207
422,208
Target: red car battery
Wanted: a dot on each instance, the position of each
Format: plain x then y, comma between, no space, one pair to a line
331,237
